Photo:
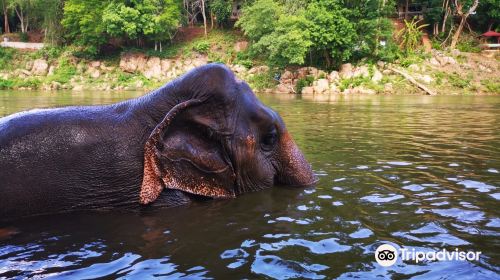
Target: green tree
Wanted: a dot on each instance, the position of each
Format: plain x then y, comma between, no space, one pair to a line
221,9
82,20
289,43
333,34
259,19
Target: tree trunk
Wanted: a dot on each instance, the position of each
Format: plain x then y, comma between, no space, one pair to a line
204,16
456,36
445,17
328,59
6,27
406,8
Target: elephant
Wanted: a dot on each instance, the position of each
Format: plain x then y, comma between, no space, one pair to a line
204,135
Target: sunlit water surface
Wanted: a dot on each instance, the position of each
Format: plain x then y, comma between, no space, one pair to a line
416,171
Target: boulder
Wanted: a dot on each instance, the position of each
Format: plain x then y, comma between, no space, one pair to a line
333,76
132,62
258,69
434,61
153,68
238,68
29,65
94,73
95,64
388,88
40,67
287,75
377,76
414,67
307,90
166,64
321,86
346,71
52,68
361,71
240,46
281,88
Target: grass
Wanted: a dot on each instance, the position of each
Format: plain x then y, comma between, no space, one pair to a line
303,82
491,86
262,81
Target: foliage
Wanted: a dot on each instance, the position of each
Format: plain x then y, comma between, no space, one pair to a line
259,19
353,82
6,84
288,43
411,36
468,43
457,81
64,71
332,33
83,23
202,47
221,9
262,81
23,37
6,55
491,86
303,82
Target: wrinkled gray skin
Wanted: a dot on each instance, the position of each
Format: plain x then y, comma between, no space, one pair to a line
93,157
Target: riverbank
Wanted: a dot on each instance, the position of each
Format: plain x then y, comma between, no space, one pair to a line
436,72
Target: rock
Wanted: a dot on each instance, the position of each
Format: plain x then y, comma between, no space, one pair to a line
238,68
333,76
95,64
321,86
258,69
25,72
322,74
334,89
386,72
287,75
313,71
77,87
29,65
434,61
377,76
139,84
240,46
199,61
55,85
455,52
380,64
362,90
346,71
361,71
414,68
166,64
94,73
444,60
153,68
388,87
281,88
40,67
484,68
132,62
307,90
425,78
52,68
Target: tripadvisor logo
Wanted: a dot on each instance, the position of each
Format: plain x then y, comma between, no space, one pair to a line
387,255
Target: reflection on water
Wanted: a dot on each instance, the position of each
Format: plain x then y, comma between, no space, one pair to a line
419,172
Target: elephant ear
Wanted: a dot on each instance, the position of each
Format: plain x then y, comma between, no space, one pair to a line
186,151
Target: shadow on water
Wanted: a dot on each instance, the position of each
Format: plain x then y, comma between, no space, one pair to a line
416,171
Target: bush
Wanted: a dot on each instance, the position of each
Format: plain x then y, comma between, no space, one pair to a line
469,46
303,82
262,81
23,37
491,86
457,81
202,47
6,55
6,84
64,72
353,82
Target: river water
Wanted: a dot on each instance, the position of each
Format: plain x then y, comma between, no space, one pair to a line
416,172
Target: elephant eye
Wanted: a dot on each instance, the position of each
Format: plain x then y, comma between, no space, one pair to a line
269,140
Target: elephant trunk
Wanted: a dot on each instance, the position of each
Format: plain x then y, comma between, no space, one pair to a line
295,170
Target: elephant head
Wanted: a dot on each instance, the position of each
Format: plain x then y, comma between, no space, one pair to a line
218,140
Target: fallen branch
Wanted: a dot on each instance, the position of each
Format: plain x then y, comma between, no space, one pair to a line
413,81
